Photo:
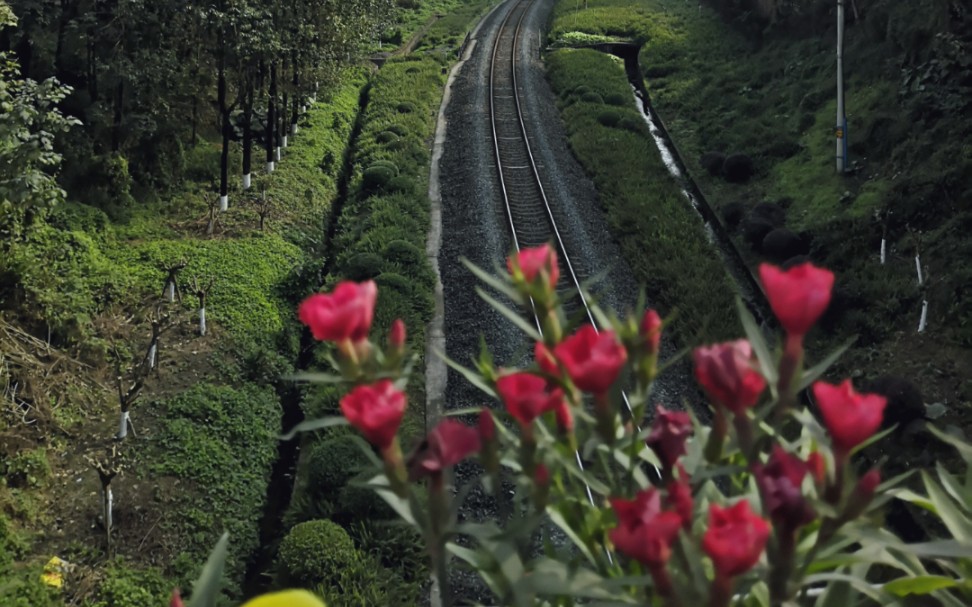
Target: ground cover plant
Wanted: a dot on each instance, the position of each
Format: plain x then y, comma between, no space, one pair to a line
659,232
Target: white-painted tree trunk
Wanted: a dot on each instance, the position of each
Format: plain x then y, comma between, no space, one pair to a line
924,316
122,425
283,141
921,279
883,250
223,203
170,291
277,154
293,129
109,503
246,181
841,121
151,356
202,321
270,166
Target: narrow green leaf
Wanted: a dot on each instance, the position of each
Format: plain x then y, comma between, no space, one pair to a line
767,364
962,495
315,377
492,280
315,424
924,584
512,315
559,520
858,583
205,589
816,372
404,509
874,438
471,376
964,448
959,526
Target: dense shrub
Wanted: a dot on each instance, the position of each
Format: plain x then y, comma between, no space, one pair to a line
713,162
317,552
406,107
733,213
738,168
362,266
331,463
386,137
125,587
616,99
376,178
609,118
754,230
591,98
781,244
403,252
905,403
772,214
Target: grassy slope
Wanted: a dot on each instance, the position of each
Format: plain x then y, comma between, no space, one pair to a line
206,409
718,91
661,235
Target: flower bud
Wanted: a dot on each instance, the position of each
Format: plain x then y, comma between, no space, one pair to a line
176,599
650,330
818,467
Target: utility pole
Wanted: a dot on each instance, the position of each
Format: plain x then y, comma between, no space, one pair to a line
841,129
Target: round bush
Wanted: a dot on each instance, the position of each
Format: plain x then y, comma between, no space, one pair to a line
581,90
712,162
387,164
362,503
363,266
316,552
591,98
405,107
332,463
635,125
782,244
376,177
796,261
412,70
401,183
772,214
738,168
395,281
386,137
398,129
755,230
783,149
733,213
616,99
609,118
403,252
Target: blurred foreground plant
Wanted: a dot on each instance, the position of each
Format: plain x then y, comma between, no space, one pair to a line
764,507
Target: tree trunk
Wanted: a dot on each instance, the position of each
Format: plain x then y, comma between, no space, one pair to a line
122,425
224,129
284,127
117,121
271,116
247,133
295,115
151,355
202,321
170,291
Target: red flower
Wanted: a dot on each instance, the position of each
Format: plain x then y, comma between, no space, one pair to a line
344,314
735,538
593,360
644,532
447,444
727,373
396,336
541,475
526,396
779,483
536,261
851,418
651,326
862,494
798,296
680,499
669,431
175,600
376,411
486,426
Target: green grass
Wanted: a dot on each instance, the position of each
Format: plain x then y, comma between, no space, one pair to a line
772,98
661,236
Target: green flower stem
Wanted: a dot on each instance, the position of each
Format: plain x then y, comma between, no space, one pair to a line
438,523
717,436
744,433
720,592
605,418
791,366
395,468
781,566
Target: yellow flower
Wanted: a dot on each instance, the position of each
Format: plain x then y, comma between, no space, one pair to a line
286,598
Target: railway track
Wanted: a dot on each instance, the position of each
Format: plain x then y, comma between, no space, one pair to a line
528,210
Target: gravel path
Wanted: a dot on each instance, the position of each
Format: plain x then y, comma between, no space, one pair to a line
474,227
